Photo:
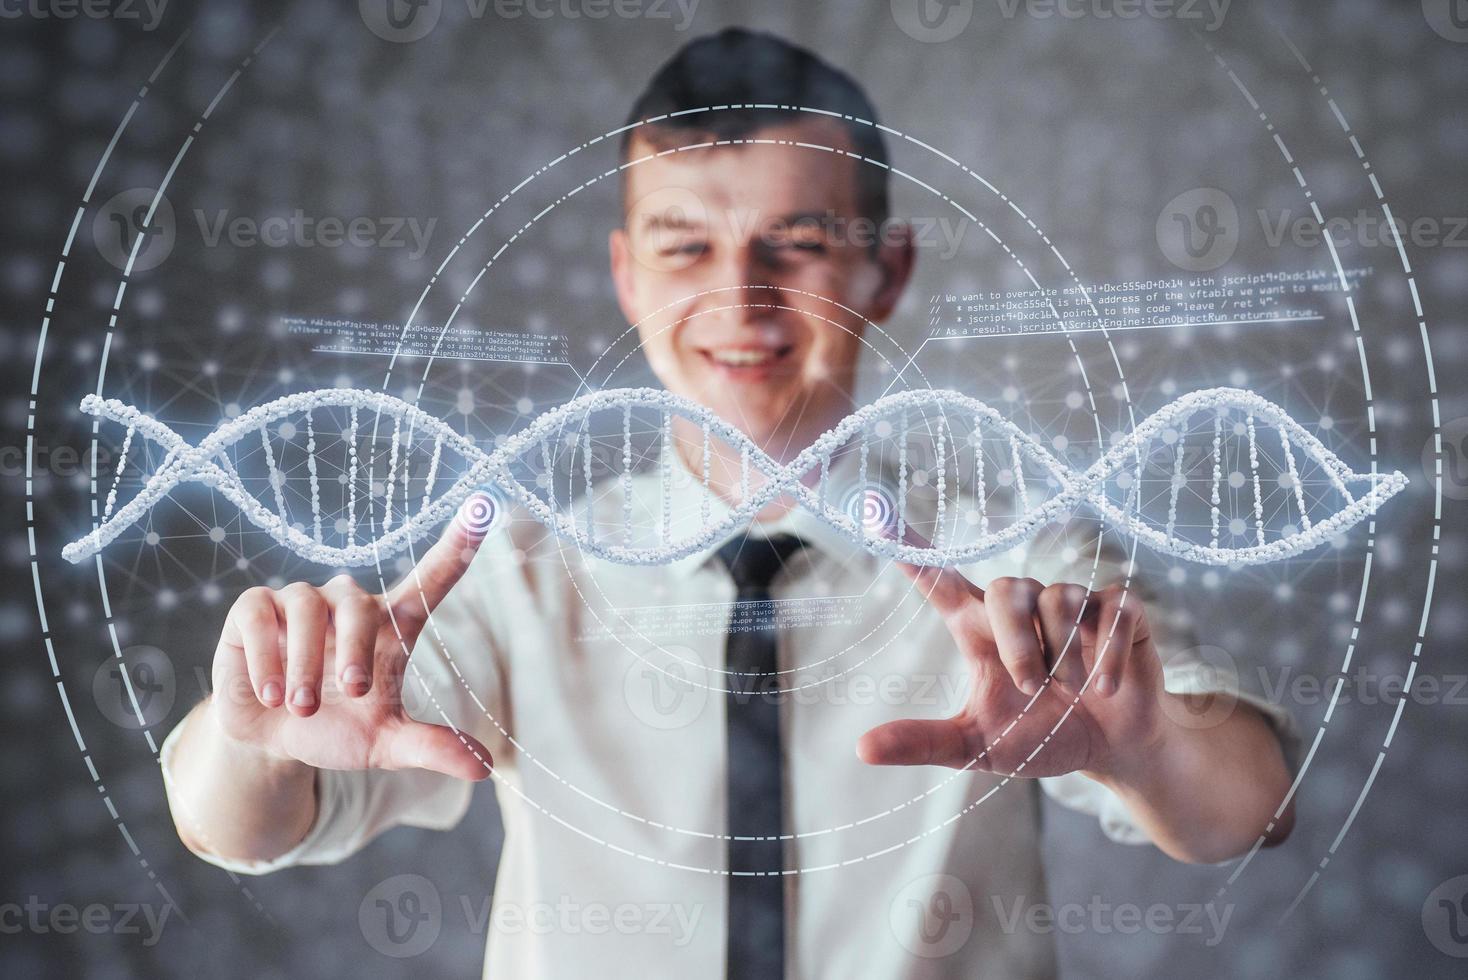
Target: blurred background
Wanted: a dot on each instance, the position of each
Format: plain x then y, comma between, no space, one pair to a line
1115,135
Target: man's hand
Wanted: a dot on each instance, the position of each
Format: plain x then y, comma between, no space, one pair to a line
1033,651
305,679
315,674
1060,655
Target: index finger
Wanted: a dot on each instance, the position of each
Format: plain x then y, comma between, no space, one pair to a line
439,570
958,600
946,588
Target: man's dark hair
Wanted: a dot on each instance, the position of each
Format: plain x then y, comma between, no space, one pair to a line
737,67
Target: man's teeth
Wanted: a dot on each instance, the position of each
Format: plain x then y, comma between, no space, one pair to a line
742,358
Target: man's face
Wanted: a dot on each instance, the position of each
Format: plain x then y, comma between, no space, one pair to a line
731,263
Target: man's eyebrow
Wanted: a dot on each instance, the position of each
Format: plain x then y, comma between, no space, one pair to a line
671,218
796,217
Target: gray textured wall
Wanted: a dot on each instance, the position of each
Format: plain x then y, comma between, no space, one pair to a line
1092,124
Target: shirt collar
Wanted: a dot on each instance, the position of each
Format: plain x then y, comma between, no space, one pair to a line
686,500
825,544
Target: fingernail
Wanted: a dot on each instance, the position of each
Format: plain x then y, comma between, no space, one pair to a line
304,697
270,693
1105,685
1029,686
354,677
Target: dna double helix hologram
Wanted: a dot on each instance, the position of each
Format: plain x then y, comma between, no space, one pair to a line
996,452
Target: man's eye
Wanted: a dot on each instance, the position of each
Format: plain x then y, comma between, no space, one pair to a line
802,246
684,248
805,239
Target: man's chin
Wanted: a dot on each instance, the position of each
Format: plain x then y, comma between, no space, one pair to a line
762,411
764,416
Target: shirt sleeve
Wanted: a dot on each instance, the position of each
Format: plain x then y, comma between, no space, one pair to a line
353,807
1187,668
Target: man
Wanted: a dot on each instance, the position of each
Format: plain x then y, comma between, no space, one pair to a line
767,820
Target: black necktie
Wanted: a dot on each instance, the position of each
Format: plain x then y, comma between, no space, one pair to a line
756,926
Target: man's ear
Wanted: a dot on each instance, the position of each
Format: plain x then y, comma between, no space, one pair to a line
620,250
896,254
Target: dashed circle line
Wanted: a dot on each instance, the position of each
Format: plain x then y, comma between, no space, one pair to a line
1371,526
1095,414
52,295
123,281
1437,476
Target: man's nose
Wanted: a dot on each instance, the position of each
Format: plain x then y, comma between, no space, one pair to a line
751,280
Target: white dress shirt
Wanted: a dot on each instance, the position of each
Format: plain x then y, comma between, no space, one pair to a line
596,688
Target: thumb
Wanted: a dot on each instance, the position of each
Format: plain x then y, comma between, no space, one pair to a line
412,744
913,742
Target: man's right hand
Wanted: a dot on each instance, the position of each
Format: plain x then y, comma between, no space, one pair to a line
315,674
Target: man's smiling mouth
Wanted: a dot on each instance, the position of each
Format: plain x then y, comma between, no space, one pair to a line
746,361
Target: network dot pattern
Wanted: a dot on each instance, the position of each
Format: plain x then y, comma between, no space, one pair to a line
1219,476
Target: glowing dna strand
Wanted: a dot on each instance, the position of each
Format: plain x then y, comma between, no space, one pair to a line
869,522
